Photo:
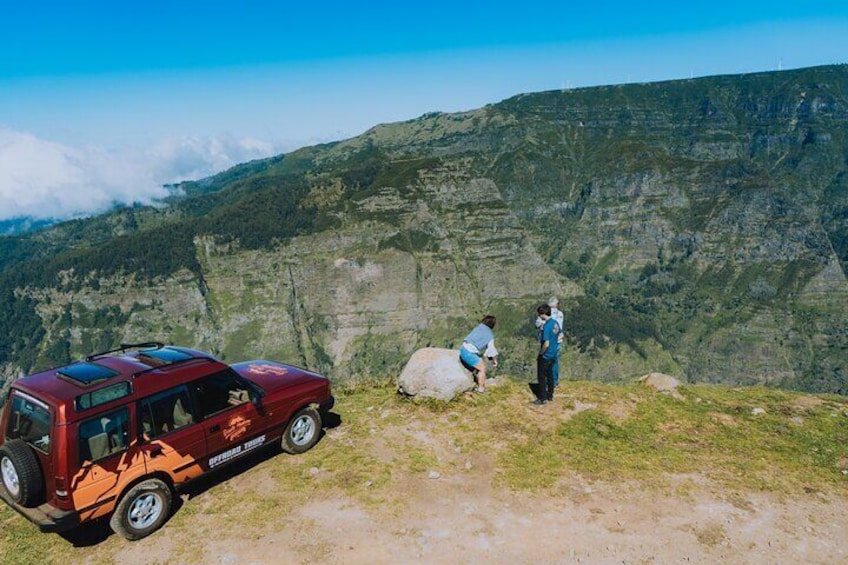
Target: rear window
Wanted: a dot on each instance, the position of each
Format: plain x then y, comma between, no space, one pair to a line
29,420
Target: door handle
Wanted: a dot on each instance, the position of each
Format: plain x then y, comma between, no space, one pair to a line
215,428
153,450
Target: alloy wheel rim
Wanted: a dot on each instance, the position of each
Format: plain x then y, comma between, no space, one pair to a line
302,430
10,477
145,510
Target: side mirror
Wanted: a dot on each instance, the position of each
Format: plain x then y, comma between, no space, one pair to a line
256,400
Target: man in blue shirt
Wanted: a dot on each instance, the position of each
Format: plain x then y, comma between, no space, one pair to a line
548,351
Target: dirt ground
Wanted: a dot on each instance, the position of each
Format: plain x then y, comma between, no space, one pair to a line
462,518
449,522
392,483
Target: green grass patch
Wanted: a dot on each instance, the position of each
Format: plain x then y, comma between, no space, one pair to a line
22,542
714,431
420,460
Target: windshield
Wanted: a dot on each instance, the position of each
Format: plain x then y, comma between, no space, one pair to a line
29,420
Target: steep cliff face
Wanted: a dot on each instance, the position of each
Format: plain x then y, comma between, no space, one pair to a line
715,209
694,227
401,271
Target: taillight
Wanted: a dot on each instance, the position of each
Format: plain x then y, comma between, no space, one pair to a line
61,487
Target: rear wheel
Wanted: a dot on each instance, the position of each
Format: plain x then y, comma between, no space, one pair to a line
142,510
303,431
21,474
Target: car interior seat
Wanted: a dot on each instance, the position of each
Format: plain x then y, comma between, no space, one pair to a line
99,443
181,416
238,396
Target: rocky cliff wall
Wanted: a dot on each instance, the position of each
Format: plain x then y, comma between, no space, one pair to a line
698,228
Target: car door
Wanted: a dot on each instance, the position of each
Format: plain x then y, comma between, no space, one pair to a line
234,425
173,440
109,457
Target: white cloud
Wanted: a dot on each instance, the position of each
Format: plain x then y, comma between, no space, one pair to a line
44,179
190,158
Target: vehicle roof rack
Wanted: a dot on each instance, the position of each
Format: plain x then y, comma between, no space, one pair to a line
175,361
126,346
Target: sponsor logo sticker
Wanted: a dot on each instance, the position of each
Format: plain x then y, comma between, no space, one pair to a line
236,451
236,428
266,369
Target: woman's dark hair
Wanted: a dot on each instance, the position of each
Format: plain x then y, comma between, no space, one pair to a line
489,320
543,310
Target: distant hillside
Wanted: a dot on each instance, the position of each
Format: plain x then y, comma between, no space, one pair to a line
698,227
17,226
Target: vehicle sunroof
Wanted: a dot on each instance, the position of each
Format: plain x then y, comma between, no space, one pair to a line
165,355
86,373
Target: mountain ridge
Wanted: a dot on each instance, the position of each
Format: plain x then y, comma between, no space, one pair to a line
697,227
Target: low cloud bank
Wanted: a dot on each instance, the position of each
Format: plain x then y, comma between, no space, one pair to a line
42,179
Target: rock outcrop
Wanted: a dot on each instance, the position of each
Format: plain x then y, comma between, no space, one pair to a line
434,372
665,384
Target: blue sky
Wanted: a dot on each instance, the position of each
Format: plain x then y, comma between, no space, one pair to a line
102,102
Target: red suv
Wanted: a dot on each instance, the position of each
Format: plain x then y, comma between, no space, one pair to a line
118,432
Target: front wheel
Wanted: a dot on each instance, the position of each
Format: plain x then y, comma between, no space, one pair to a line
303,431
142,510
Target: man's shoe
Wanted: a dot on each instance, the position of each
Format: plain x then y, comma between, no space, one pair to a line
539,402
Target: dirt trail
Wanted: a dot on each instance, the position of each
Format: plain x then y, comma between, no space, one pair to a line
446,521
447,524
462,518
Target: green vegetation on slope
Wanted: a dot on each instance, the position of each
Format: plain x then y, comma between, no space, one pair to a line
695,215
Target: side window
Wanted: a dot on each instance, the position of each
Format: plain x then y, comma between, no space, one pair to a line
104,435
220,391
164,412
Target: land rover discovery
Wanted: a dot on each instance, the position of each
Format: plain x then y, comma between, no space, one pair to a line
121,431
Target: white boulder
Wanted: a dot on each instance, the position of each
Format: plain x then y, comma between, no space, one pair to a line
662,383
434,372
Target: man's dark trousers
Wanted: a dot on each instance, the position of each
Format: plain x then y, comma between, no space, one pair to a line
545,377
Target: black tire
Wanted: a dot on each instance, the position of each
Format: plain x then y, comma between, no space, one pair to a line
21,474
303,431
142,510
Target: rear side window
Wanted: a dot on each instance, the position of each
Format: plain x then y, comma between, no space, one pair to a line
29,420
104,435
164,412
102,396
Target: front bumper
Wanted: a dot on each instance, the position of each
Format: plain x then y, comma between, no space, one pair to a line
47,517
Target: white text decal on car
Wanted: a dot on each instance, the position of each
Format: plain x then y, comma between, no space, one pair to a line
236,451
